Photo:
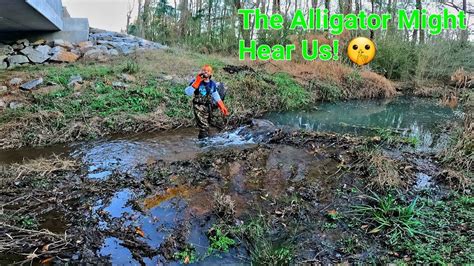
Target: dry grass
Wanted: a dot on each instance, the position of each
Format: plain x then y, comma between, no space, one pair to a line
44,166
383,171
224,207
462,79
367,84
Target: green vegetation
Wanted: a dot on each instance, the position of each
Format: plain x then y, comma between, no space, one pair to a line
293,95
264,248
329,92
219,241
186,256
445,237
387,216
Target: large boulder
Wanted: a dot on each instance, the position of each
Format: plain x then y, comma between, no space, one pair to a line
64,44
62,55
5,50
16,60
44,49
18,46
35,55
96,54
25,42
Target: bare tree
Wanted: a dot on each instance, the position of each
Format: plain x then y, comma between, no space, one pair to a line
129,14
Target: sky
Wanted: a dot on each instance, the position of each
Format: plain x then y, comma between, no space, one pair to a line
102,14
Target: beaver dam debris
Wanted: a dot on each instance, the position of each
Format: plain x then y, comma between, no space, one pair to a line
259,194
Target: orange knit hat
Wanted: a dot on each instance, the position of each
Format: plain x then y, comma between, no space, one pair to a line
207,68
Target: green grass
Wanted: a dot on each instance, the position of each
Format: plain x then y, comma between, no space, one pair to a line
447,237
103,100
61,75
293,95
387,216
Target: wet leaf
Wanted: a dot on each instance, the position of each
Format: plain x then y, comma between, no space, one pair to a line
375,230
47,260
364,226
32,256
45,247
139,232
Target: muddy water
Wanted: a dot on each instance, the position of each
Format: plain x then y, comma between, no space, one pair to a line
160,213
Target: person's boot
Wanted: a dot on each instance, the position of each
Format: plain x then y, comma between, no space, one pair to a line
203,134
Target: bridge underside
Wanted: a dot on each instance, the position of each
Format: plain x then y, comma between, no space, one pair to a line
31,15
45,19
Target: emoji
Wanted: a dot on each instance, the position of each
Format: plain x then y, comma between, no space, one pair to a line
361,50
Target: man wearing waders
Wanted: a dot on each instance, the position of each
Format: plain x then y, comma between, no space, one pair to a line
205,95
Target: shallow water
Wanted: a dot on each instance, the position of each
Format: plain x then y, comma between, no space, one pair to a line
415,117
163,212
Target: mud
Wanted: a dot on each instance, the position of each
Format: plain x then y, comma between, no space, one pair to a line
148,198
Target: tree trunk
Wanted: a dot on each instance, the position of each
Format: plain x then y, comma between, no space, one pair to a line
139,18
372,32
183,19
145,17
465,33
276,6
245,33
422,32
209,20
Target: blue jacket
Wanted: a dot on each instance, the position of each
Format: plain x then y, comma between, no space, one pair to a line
207,88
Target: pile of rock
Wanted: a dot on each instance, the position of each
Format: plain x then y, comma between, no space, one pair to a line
101,45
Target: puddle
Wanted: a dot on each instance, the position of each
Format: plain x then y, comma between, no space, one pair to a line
423,181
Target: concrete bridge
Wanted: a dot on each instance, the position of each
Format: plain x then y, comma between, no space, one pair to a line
46,19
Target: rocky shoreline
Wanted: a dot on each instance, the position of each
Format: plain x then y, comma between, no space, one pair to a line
101,45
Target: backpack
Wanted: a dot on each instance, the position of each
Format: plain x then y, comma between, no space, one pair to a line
221,89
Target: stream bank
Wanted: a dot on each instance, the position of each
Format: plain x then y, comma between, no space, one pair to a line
260,193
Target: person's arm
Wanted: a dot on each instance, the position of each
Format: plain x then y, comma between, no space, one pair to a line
197,81
217,98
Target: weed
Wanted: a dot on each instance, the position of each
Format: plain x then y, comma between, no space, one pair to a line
28,222
131,67
219,241
350,245
264,249
329,226
385,215
329,92
413,141
186,256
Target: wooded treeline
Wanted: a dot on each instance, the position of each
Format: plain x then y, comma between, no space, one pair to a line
213,25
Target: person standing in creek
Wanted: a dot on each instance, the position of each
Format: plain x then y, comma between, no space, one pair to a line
206,96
